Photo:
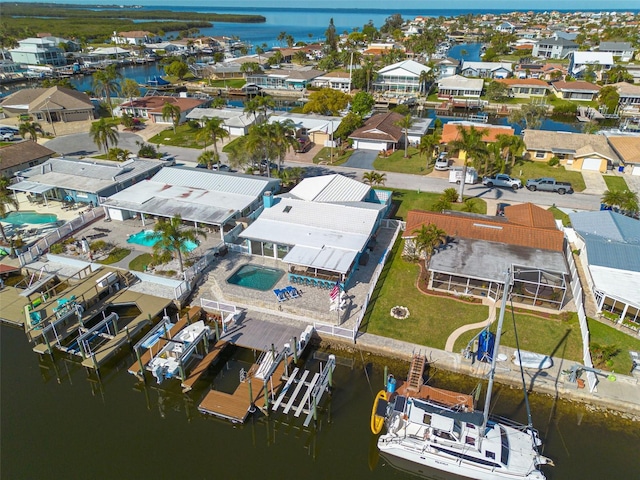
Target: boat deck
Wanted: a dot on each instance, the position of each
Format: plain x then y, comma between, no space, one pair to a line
236,406
439,395
203,365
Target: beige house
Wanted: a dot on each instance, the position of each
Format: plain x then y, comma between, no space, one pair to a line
55,104
21,155
576,151
628,149
577,90
525,87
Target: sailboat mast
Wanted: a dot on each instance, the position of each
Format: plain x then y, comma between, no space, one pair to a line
492,371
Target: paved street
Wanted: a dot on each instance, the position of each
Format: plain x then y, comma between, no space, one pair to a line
81,145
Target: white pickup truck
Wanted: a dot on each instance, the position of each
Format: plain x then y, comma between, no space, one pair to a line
502,180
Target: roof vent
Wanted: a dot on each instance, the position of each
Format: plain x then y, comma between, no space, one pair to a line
287,209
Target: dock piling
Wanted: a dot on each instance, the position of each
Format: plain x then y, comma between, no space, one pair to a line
295,350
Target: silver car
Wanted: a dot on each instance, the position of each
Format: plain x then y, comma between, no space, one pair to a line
442,162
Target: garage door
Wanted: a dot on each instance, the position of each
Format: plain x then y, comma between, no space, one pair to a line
591,164
635,171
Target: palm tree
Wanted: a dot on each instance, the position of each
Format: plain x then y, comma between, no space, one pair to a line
513,145
251,107
171,111
381,179
106,82
405,124
213,130
427,239
260,143
171,238
208,158
104,133
369,177
30,128
470,140
6,200
625,200
470,205
428,144
265,103
284,135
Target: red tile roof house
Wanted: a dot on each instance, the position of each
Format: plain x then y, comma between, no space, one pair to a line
481,248
151,107
379,133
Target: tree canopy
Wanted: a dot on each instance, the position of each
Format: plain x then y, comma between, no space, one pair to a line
326,102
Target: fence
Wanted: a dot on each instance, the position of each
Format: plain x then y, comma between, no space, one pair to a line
43,245
195,269
576,290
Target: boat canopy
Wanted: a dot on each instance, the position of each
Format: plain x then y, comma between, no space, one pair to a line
474,418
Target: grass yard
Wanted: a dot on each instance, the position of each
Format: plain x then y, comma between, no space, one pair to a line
603,334
560,215
115,256
415,163
139,264
525,169
431,319
615,183
185,136
406,200
324,155
230,83
549,336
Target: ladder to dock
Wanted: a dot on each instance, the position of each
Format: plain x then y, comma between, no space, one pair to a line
414,379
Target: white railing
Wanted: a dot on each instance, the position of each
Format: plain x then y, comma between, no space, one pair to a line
195,269
234,247
43,245
335,330
576,290
221,307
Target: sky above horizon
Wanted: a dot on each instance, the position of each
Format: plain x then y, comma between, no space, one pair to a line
607,5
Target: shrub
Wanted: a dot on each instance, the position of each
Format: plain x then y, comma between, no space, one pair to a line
56,248
147,151
193,124
553,161
450,195
98,245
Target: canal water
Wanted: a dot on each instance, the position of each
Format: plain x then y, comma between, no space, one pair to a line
59,423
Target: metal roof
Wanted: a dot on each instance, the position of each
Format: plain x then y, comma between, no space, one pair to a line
620,284
606,224
331,189
30,187
325,258
608,253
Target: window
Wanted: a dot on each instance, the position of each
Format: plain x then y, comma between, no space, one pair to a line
470,441
490,455
540,154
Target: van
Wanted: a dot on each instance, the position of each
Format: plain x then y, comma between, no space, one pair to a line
455,175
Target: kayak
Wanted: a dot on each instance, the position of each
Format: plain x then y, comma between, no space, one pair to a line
532,360
378,412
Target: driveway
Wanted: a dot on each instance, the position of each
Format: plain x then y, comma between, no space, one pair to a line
81,145
595,184
361,159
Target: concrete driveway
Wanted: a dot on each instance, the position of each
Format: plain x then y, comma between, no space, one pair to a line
361,159
81,145
594,183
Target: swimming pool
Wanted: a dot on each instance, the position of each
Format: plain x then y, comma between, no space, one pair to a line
34,218
145,238
256,277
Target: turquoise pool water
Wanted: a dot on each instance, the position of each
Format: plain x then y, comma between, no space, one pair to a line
145,238
256,277
34,218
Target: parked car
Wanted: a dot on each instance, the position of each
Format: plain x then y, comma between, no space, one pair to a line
168,159
500,209
220,167
502,180
7,137
442,162
303,146
549,185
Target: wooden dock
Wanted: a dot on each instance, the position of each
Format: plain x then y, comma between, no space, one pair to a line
203,365
236,406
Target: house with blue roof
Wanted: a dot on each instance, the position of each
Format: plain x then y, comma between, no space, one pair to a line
609,246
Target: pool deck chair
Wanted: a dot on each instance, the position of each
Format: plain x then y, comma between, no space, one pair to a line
281,294
292,291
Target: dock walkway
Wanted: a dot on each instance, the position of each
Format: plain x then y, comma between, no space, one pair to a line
203,365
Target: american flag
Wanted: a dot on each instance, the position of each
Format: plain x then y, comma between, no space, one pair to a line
335,291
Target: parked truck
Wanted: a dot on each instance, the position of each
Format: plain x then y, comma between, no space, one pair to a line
455,175
549,185
502,180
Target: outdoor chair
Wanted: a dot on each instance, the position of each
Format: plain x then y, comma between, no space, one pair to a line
280,294
292,291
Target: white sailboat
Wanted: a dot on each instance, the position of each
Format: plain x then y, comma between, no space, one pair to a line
467,444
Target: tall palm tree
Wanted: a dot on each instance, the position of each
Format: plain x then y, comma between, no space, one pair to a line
214,131
405,124
30,128
6,200
512,145
470,141
284,135
251,107
427,239
106,82
104,133
171,111
428,144
260,143
171,238
265,103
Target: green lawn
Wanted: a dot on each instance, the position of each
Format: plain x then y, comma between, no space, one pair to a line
139,264
406,200
525,169
115,256
324,155
185,136
431,319
415,163
615,183
603,334
230,83
560,215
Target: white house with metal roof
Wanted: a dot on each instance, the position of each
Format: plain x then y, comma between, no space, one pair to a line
580,61
219,199
406,77
459,86
609,246
83,181
321,229
317,128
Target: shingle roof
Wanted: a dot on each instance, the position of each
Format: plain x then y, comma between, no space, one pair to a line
156,104
54,98
483,227
627,148
582,144
578,85
22,152
380,127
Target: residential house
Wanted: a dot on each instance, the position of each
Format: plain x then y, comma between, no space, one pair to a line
379,133
623,50
83,181
336,80
151,107
506,27
629,94
627,148
53,104
134,37
486,69
581,62
38,51
554,47
446,67
578,90
402,78
222,201
222,71
451,132
318,129
459,86
234,120
320,230
525,87
609,245
481,248
18,156
576,151
166,47
66,44
284,79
